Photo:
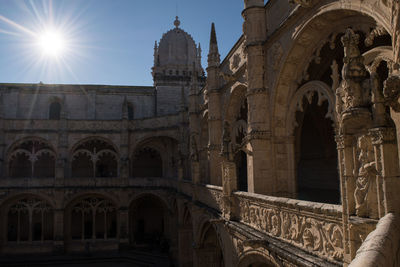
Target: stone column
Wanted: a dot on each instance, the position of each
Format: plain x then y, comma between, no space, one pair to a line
124,151
62,163
123,228
59,231
260,177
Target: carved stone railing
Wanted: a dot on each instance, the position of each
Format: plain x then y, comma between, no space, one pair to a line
210,195
381,246
314,227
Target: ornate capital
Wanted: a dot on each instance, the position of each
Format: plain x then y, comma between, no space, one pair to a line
343,141
383,136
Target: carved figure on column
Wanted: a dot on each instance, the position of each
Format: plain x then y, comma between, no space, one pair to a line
365,175
226,149
194,154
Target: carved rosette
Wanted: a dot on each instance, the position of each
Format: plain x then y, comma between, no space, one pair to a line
318,235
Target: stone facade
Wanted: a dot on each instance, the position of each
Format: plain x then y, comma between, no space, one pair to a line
286,155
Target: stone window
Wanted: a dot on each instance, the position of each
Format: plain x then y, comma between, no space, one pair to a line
316,154
170,72
130,112
32,158
95,158
55,111
147,163
93,218
177,73
30,219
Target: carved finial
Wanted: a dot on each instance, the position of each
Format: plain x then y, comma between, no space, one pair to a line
177,22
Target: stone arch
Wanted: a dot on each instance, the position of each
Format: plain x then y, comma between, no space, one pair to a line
155,157
90,217
331,18
150,222
31,157
209,249
318,88
236,114
233,100
256,258
28,218
312,124
94,157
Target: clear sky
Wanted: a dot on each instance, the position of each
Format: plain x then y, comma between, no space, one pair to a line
103,41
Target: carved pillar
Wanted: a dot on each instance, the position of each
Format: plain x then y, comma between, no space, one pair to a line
59,230
229,183
123,228
214,109
260,177
124,150
62,163
367,148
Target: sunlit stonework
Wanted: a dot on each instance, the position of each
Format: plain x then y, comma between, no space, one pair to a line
285,153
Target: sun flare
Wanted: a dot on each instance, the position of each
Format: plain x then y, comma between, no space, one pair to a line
51,43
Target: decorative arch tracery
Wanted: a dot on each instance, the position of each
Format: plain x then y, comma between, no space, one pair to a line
93,218
30,219
95,158
32,158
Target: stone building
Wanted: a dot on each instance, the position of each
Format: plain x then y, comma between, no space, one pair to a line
286,155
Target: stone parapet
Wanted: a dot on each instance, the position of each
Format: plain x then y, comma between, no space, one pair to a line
315,227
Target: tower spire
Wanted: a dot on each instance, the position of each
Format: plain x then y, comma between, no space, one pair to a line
213,54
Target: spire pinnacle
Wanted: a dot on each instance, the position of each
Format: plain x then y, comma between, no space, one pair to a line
213,54
177,22
213,37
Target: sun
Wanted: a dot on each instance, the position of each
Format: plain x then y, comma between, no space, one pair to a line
51,43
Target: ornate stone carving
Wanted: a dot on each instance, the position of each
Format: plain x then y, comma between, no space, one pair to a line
383,136
365,174
378,31
277,53
391,92
194,153
335,76
226,144
304,3
351,93
317,235
396,33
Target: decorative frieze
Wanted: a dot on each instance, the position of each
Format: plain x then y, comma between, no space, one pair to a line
313,232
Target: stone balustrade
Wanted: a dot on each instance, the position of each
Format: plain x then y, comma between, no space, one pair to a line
314,227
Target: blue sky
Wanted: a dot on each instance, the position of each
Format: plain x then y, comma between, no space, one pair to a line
109,41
